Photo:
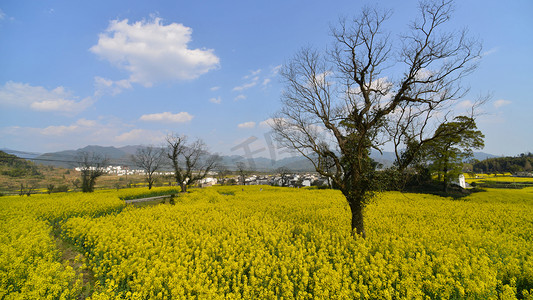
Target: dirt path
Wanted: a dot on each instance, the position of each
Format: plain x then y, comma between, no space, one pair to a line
71,256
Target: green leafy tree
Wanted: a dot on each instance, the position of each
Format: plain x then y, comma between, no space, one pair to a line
456,141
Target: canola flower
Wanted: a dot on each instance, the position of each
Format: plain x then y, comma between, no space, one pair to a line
30,266
272,243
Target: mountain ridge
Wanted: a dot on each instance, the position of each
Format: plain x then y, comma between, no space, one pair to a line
122,156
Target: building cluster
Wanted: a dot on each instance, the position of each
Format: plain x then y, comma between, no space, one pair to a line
287,180
124,170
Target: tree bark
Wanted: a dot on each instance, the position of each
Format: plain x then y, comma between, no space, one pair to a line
183,186
357,207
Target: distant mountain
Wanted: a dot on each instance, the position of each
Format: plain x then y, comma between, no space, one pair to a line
68,158
122,156
21,154
483,155
130,149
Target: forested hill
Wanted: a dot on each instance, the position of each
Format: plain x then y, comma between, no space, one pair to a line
516,164
14,166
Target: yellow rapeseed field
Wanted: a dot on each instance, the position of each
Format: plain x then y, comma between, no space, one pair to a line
261,242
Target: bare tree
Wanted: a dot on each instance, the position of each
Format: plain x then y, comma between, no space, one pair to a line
190,161
243,171
221,175
340,104
150,159
284,173
28,189
92,165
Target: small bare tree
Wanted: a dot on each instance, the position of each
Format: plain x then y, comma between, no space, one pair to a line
190,161
92,165
243,171
284,173
149,159
369,89
221,175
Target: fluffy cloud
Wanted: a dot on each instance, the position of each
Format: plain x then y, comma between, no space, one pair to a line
168,117
153,52
247,125
41,99
501,102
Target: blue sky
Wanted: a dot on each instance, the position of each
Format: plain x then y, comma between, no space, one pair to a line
116,73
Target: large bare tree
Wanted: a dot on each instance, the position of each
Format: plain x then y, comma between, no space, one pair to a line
190,161
370,88
150,159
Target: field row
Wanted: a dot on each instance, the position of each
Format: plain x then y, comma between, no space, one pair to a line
275,242
266,242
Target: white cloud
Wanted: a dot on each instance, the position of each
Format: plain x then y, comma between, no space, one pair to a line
267,123
60,130
215,88
141,136
275,70
62,105
266,81
81,126
466,104
215,100
240,97
245,86
490,51
253,73
168,117
501,102
153,52
247,125
41,99
253,82
423,74
83,132
104,86
2,15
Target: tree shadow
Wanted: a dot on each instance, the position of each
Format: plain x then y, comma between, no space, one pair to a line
437,189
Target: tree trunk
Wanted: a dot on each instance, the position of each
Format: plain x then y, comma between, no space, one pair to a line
183,186
356,206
